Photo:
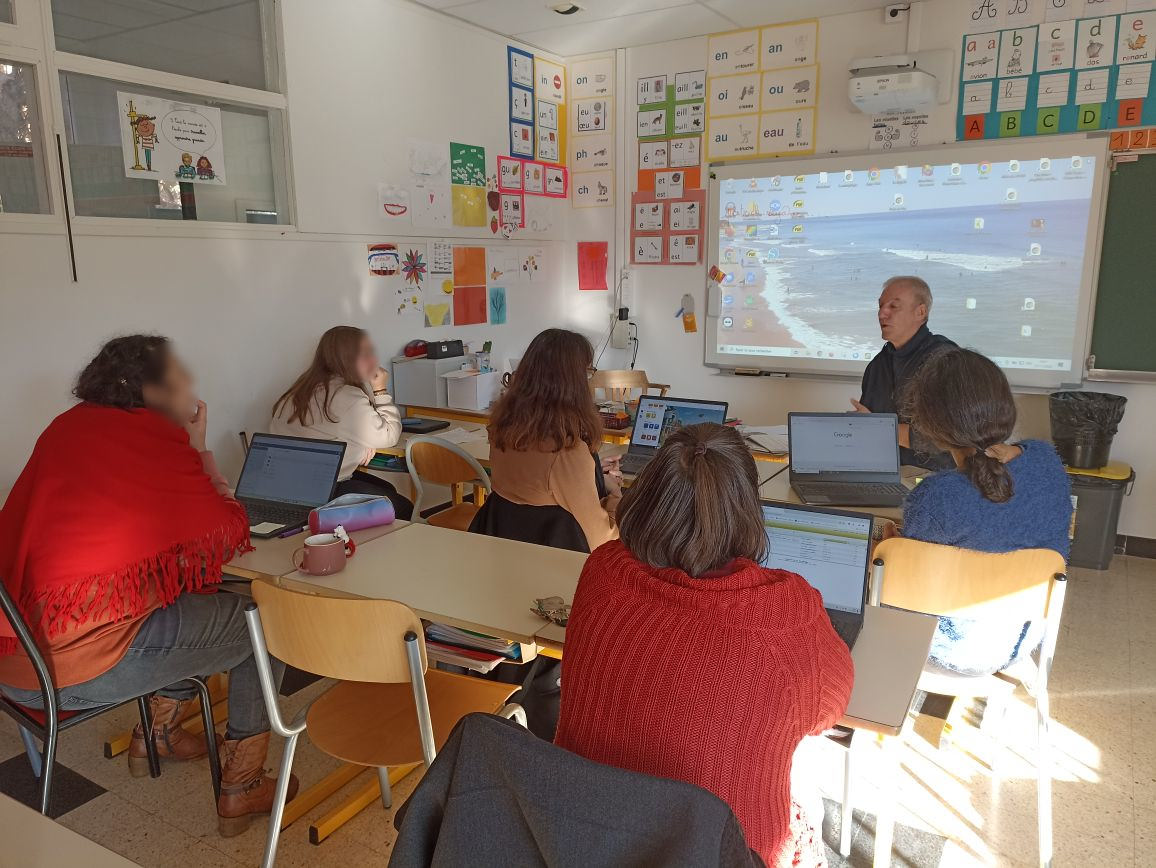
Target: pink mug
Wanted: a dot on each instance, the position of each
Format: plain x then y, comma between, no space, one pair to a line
323,554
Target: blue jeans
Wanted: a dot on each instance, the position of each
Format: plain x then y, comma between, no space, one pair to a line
199,634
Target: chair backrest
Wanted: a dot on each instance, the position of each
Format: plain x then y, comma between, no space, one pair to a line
620,385
948,581
434,459
347,638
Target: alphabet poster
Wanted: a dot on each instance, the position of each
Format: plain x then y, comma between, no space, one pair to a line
762,92
163,140
1059,76
591,151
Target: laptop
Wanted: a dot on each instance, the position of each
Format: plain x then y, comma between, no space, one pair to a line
829,548
851,459
284,478
656,418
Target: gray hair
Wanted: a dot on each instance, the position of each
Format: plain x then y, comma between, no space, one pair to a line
918,286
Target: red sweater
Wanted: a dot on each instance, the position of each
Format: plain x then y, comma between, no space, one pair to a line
714,681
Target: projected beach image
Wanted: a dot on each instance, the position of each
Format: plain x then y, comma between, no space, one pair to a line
1001,245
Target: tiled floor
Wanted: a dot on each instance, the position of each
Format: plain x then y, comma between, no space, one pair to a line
971,804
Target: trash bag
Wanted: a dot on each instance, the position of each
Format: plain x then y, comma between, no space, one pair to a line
1083,425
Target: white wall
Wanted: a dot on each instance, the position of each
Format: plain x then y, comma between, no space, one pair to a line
670,356
247,311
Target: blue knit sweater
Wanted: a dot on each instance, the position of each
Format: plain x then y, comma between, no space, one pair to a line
946,508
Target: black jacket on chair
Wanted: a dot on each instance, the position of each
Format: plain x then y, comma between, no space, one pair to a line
498,795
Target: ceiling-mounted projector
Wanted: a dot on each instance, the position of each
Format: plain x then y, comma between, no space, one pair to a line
891,83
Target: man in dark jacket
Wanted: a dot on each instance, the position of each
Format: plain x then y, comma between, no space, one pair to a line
904,306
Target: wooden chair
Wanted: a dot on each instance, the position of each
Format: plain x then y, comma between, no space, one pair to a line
439,461
1015,587
387,709
621,385
48,722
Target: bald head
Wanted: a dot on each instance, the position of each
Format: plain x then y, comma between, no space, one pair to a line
904,306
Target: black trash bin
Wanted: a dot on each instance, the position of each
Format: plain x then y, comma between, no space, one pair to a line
1083,425
1097,498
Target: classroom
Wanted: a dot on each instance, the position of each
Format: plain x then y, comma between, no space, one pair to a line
318,320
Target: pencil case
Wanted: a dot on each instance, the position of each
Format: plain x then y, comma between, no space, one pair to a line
353,512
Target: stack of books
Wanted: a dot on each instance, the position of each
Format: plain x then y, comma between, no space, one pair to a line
475,651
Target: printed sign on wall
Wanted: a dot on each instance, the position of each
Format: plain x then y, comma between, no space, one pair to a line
765,107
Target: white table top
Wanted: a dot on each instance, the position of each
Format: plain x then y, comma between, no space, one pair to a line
274,557
468,580
32,840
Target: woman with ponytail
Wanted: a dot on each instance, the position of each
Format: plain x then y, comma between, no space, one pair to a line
1000,497
686,659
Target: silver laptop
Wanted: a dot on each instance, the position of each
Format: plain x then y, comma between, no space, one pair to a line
657,417
849,459
829,548
284,478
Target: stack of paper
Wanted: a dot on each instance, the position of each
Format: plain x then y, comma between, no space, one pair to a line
448,635
478,661
462,435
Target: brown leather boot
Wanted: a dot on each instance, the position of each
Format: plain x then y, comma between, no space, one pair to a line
245,787
172,740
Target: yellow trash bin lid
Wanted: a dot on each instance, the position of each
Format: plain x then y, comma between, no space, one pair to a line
1117,470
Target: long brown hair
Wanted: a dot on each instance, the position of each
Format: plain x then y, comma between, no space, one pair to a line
549,404
962,400
695,506
334,359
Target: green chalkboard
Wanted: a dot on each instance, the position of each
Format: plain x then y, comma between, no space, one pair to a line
1124,324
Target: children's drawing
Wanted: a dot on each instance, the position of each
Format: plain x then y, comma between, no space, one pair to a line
497,305
414,267
383,259
185,171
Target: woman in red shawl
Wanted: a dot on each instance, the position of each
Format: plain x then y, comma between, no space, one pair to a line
110,544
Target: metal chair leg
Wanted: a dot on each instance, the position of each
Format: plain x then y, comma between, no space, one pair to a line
48,764
1045,778
515,712
386,791
146,723
210,733
846,811
32,750
278,809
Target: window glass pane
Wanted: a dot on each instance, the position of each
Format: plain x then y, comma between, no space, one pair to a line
221,40
23,179
6,16
248,185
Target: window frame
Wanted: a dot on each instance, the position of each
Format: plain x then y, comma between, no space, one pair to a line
35,44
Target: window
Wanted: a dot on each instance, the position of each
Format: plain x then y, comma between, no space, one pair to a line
228,41
23,179
6,16
111,169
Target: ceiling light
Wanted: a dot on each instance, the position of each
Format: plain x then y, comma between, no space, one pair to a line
566,8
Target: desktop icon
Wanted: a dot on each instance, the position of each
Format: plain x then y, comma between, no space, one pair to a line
1029,304
773,230
728,299
1011,195
928,170
1013,166
797,228
1025,331
1045,164
1035,250
956,170
848,176
978,223
776,181
873,174
800,179
897,201
1077,163
970,304
984,167
822,177
728,322
900,173
797,205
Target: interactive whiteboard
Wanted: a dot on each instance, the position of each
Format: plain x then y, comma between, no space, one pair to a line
1007,236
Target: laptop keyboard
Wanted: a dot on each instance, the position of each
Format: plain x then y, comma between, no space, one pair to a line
259,513
856,491
848,631
633,464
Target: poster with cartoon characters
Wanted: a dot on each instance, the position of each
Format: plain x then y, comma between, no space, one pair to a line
163,140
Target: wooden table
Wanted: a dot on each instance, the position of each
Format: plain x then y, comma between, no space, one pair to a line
32,840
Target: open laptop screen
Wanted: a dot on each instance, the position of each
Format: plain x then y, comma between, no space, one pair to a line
290,470
657,417
826,548
844,442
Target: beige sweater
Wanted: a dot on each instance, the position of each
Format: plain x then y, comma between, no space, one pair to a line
366,422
